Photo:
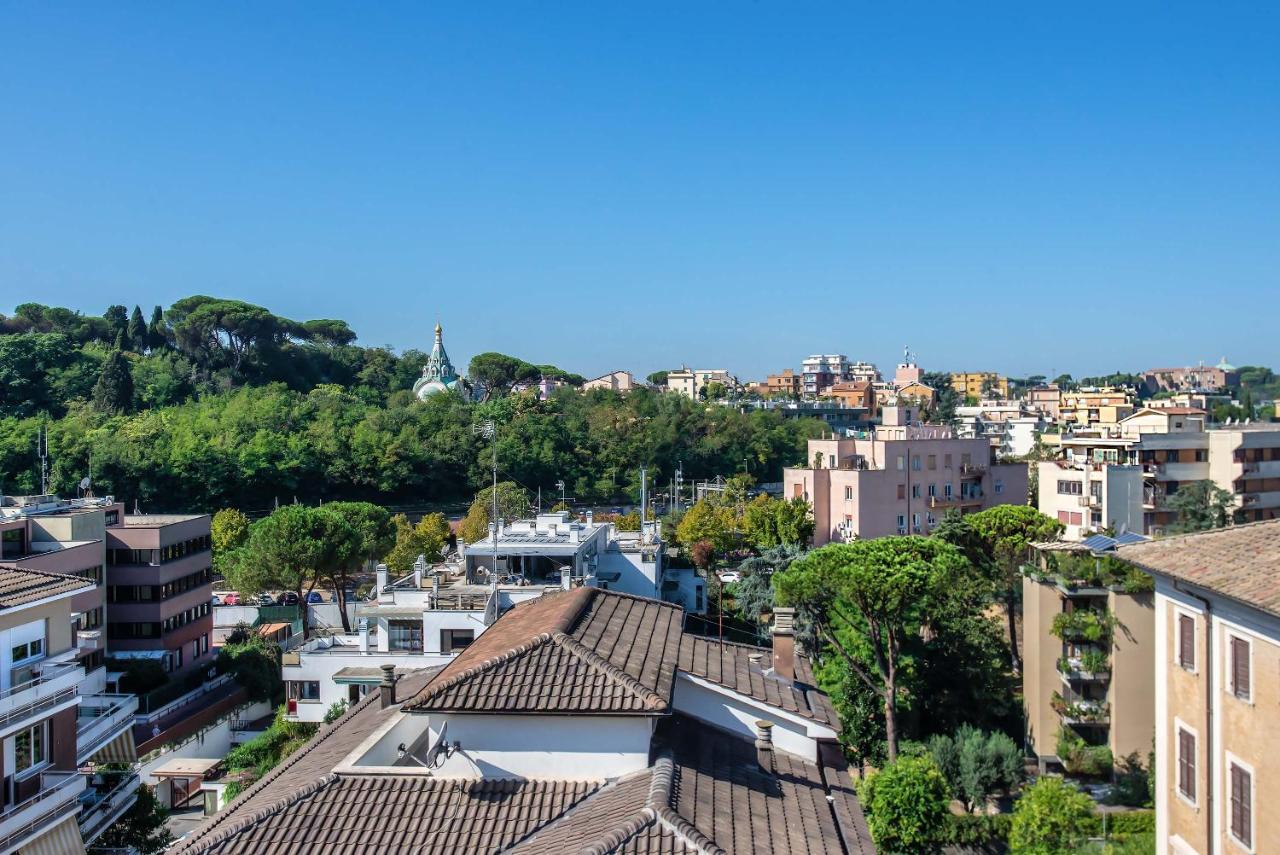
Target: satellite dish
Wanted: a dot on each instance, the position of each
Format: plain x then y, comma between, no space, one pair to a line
84,483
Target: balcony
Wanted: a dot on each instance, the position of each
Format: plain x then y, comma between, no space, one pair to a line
101,719
968,469
1089,501
1092,667
58,797
50,684
1081,711
945,501
106,799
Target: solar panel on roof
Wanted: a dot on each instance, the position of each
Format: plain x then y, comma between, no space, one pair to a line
1100,543
1130,537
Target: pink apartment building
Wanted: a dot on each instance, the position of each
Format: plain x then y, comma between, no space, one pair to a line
900,479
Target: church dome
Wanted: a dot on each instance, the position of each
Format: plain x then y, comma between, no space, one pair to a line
438,374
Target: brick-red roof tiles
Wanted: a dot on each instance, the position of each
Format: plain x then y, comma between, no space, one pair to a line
1241,562
730,665
19,587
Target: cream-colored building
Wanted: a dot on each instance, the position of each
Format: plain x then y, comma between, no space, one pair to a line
690,382
1088,634
1095,406
980,384
618,381
1217,678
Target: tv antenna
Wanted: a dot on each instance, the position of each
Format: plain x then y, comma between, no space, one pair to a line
42,452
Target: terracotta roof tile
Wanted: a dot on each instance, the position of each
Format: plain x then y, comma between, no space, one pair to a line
19,587
729,665
1241,562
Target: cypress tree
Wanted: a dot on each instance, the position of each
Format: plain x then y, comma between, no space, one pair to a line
156,338
113,393
137,329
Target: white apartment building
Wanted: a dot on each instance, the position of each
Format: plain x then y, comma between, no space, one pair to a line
691,381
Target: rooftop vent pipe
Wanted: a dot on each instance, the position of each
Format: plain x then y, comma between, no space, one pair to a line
387,689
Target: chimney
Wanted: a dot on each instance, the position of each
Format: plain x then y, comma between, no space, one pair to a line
565,578
764,745
364,635
435,589
388,686
784,643
591,517
380,574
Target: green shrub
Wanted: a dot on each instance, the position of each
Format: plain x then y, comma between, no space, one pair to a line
1132,786
1051,818
1083,624
1080,758
907,803
977,764
139,675
256,666
335,711
976,829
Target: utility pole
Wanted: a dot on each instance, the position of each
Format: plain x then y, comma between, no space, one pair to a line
644,482
488,430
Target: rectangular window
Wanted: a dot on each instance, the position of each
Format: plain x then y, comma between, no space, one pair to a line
915,491
1187,764
933,461
1187,642
1240,668
933,490
405,635
1241,805
902,523
456,640
302,690
29,650
946,461
915,463
1070,488
999,485
902,491
902,462
1077,518
30,748
848,494
946,490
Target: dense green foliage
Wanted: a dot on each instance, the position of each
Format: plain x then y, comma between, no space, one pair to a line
906,804
427,538
255,662
1199,506
1051,818
977,764
141,828
233,406
260,755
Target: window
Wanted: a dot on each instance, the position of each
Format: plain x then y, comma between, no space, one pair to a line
456,640
698,594
915,491
1187,642
13,543
946,461
831,461
933,461
1241,804
902,462
902,523
915,463
30,748
404,635
999,484
1240,668
848,494
902,491
28,650
1070,488
1187,764
946,490
302,690
1064,517
933,490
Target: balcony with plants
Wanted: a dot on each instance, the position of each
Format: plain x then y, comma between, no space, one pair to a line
1081,759
1083,574
1081,711
1093,626
1088,664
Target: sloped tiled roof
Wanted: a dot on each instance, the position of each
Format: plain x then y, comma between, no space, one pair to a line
19,587
583,650
729,665
1241,562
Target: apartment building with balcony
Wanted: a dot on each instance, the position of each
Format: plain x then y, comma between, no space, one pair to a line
1088,637
899,478
1122,477
159,590
1191,378
691,382
788,384
1217,688
1093,407
58,726
822,370
1045,399
980,384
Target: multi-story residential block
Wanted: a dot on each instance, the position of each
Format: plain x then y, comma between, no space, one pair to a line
160,589
822,370
1197,378
788,384
1095,407
617,381
1088,637
854,393
1217,679
582,720
862,372
1045,399
900,478
1012,427
58,725
691,382
1123,477
907,371
980,384
911,394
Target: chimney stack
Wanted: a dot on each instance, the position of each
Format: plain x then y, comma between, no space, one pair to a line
388,686
764,745
566,578
784,643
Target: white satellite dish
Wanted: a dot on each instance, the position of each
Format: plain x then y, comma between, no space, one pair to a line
84,483
437,745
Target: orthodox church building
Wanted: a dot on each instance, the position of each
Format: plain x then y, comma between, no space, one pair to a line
438,375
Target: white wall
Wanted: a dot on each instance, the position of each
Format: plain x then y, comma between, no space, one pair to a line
725,709
211,743
322,666
565,747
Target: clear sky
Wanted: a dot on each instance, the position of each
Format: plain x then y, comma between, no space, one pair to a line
1085,188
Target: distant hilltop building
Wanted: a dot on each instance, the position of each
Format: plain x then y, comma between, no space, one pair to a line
438,374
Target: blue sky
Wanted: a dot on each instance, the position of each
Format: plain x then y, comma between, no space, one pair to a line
1085,188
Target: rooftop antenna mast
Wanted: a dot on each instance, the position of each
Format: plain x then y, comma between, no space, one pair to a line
488,430
42,452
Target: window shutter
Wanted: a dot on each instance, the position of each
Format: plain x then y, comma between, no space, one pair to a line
1187,764
1186,642
1241,805
1240,667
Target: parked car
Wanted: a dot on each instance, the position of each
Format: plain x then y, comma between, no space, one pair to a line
315,597
265,600
288,598
730,576
216,601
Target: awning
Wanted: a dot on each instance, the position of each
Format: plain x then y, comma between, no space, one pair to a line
62,839
119,750
364,676
139,654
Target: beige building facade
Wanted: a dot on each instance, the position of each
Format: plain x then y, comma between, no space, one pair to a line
1217,673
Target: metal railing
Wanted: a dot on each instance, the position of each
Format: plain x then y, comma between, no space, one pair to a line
100,725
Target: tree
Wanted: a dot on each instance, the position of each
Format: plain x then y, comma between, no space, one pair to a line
1199,506
976,764
374,535
495,373
513,504
710,522
657,378
753,594
907,803
117,318
1007,532
427,538
137,330
228,531
157,336
113,393
141,828
1051,818
769,522
869,588
255,662
702,553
